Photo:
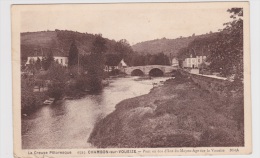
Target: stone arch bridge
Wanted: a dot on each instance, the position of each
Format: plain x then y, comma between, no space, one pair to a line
147,69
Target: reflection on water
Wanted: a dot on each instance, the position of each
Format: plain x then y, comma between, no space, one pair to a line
69,123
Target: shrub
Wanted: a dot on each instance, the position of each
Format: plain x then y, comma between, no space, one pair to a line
30,100
56,90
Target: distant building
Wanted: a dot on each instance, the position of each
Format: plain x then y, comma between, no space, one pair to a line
175,62
119,66
58,56
193,61
122,64
109,68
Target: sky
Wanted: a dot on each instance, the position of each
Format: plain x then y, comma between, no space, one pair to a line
133,22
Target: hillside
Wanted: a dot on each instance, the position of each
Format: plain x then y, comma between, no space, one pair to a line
60,41
199,46
167,46
33,42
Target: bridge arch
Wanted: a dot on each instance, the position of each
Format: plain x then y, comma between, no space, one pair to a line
137,72
156,72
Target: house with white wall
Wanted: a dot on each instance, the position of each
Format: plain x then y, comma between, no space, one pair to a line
194,61
120,66
58,56
175,62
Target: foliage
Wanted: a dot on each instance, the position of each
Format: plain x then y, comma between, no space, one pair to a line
77,86
112,59
62,40
159,59
30,100
99,45
75,71
227,52
183,53
56,90
83,61
167,46
224,50
57,76
96,64
47,61
38,64
73,54
148,59
56,73
199,46
124,49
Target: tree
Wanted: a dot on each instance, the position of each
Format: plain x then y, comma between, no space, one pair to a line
47,61
125,50
159,59
58,77
99,45
56,72
38,64
112,59
84,61
226,53
138,60
73,54
183,53
96,64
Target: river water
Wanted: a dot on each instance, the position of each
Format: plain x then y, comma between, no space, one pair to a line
68,124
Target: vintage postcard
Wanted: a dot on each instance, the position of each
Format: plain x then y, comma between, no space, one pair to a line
131,79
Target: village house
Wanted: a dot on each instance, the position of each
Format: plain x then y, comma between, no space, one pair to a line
175,62
194,61
58,56
120,66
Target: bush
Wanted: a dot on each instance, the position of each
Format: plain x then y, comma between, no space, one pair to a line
114,72
30,100
56,90
76,86
95,84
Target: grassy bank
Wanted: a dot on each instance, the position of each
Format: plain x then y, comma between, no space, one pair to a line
177,114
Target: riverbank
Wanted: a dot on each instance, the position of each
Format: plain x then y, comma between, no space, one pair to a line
53,126
176,114
74,88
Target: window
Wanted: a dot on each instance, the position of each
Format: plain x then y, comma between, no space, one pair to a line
198,60
60,60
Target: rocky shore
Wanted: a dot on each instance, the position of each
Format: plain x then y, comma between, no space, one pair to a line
176,114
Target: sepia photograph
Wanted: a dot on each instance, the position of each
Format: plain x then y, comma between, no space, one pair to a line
128,79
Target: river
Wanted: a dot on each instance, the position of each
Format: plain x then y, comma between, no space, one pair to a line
68,123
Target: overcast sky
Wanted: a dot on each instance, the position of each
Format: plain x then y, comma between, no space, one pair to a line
133,22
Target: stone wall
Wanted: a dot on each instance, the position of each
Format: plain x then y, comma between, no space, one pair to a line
213,85
146,69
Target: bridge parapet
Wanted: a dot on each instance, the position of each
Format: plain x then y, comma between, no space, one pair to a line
147,68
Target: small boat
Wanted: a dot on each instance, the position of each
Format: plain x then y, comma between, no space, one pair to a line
68,98
49,101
